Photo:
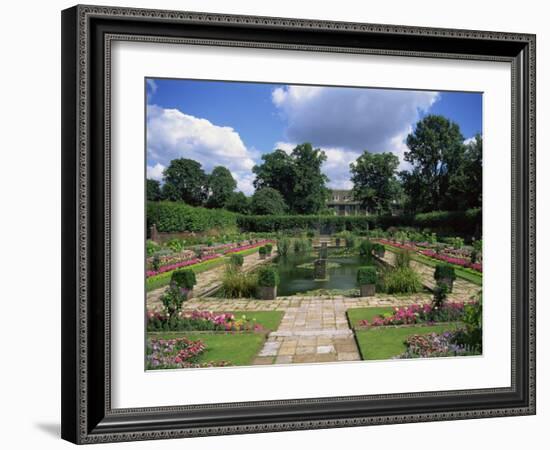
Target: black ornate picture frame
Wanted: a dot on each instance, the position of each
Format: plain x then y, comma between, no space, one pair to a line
87,34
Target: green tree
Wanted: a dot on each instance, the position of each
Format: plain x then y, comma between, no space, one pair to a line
298,177
153,190
309,190
374,179
436,151
185,180
276,172
221,185
239,203
465,182
267,201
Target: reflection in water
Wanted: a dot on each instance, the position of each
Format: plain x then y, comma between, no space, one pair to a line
295,279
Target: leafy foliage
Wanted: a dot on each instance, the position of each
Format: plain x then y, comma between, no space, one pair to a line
298,177
153,190
236,260
184,278
221,185
444,271
403,259
401,280
374,179
177,216
267,201
367,275
268,276
238,284
185,180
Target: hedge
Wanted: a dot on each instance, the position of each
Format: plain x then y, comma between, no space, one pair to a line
461,222
171,217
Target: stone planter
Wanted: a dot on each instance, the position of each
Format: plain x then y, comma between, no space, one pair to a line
367,290
448,282
380,254
337,242
189,294
267,292
262,255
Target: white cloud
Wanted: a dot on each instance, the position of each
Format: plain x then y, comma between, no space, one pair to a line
173,134
354,119
286,147
470,140
152,86
155,172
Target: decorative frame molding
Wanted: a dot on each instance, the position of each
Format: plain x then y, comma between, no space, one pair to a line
87,34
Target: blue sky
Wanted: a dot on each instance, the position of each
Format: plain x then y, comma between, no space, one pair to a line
232,124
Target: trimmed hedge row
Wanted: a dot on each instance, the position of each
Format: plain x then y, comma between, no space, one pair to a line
178,217
461,222
172,217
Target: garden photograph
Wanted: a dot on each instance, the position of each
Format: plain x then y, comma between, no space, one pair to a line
302,224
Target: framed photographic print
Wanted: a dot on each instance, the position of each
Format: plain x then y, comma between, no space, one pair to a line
281,224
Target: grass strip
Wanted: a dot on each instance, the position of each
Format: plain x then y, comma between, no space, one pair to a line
238,348
386,342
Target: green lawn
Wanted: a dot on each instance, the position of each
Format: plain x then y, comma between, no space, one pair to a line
387,342
238,348
357,314
270,320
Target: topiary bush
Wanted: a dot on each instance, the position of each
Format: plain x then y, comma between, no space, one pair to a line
367,275
183,279
378,249
262,250
444,271
268,277
365,249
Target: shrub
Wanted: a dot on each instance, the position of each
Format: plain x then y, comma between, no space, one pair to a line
441,291
455,242
178,216
283,246
443,271
237,284
379,249
176,245
366,275
473,320
310,234
302,245
365,248
401,280
269,248
268,277
172,299
262,250
151,247
156,263
402,259
236,260
183,279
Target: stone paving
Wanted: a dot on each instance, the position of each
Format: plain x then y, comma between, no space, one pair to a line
314,329
210,279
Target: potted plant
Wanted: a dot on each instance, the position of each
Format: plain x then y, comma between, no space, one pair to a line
379,250
268,279
445,274
236,261
268,249
184,281
366,279
262,251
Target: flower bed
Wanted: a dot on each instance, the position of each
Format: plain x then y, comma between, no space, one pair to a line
200,321
415,314
177,353
462,262
434,345
249,246
179,265
452,260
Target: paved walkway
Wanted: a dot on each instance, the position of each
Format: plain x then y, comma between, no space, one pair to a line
208,281
313,329
463,290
